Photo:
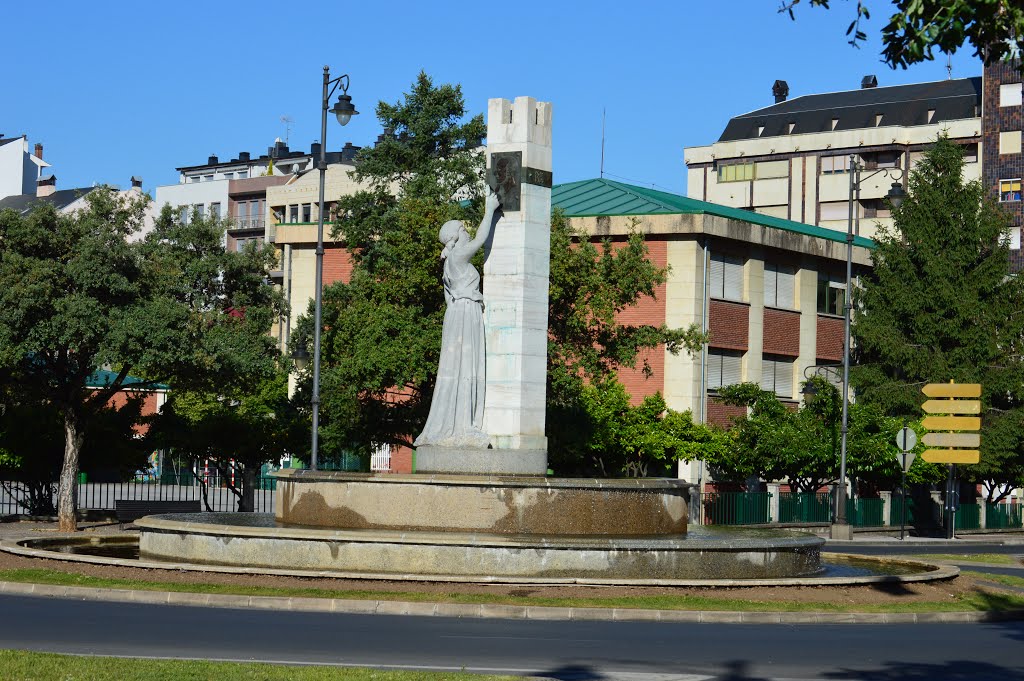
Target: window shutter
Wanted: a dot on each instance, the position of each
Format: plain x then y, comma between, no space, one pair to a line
785,288
784,378
770,285
733,279
731,369
714,370
717,277
767,374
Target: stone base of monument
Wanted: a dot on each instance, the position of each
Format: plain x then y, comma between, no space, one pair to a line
477,527
431,459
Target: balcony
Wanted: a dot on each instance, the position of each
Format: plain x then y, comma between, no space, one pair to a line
246,223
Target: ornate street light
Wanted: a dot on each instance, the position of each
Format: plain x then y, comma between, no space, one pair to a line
344,111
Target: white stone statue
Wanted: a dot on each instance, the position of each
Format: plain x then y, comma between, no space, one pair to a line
457,409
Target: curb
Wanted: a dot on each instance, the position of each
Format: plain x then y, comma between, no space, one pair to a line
492,611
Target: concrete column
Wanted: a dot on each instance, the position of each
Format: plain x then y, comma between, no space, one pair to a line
775,490
982,513
886,506
515,285
807,303
754,287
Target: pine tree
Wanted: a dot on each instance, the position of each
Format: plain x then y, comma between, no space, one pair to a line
940,304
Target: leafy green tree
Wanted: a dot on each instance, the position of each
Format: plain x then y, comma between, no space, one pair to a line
995,28
75,295
237,431
382,329
940,305
802,445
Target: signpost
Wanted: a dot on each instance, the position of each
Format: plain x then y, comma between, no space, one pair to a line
906,439
952,413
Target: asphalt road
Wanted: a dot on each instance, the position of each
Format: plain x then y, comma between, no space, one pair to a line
562,650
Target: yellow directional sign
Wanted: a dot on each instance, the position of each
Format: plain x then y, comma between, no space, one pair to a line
952,406
951,455
952,390
970,440
951,422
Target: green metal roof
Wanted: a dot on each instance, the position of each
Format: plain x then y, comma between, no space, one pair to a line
102,378
601,197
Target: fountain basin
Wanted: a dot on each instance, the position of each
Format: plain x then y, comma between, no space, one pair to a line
257,540
503,505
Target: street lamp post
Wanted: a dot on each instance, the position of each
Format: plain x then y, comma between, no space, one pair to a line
841,528
344,111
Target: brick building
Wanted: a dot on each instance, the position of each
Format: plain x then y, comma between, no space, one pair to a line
1003,163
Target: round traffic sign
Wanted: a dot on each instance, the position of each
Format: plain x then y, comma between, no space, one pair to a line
906,439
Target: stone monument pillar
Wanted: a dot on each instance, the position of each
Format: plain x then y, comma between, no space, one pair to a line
515,286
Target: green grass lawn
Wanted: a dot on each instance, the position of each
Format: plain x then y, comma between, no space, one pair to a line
19,665
1008,580
994,558
974,602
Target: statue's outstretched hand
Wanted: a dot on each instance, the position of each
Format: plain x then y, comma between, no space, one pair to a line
492,203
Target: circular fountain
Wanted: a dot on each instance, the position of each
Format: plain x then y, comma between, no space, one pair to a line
489,528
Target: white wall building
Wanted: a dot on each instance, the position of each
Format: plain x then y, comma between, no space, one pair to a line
19,169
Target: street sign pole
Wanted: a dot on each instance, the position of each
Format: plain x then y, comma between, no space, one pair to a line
903,496
950,512
906,439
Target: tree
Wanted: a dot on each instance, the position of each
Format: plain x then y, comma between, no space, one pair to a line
75,296
940,305
995,28
382,329
237,430
802,446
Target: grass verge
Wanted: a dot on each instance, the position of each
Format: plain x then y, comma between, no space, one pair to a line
20,665
1006,580
969,602
993,558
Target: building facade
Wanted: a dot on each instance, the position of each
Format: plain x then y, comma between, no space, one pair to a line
1003,162
19,169
791,160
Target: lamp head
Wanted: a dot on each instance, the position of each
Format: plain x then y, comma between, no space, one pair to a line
343,109
896,195
300,357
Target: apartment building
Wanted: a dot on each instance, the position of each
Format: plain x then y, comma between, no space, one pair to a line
19,169
237,188
1002,160
791,159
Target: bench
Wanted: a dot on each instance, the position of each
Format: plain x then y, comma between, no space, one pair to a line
130,510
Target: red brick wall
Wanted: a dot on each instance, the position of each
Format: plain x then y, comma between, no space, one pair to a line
723,415
781,332
337,264
647,310
148,406
401,459
830,338
728,324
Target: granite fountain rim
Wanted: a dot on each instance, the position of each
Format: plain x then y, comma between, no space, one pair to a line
305,475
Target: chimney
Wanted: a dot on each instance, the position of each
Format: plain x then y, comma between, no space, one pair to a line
243,156
348,153
39,151
868,82
314,151
136,182
781,90
212,161
46,186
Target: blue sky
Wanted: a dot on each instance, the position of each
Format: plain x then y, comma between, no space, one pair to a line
120,89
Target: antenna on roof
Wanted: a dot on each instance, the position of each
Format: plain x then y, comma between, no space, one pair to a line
287,120
603,111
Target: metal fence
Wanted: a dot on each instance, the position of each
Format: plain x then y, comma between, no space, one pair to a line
1004,516
100,496
805,508
737,508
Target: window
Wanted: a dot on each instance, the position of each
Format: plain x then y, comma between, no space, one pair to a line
207,178
242,174
726,277
970,153
777,375
831,165
1009,142
242,242
835,210
229,176
737,172
183,215
725,367
791,127
307,212
1015,238
293,213
194,178
779,285
878,119
769,169
831,293
1010,94
215,210
1009,190
200,210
